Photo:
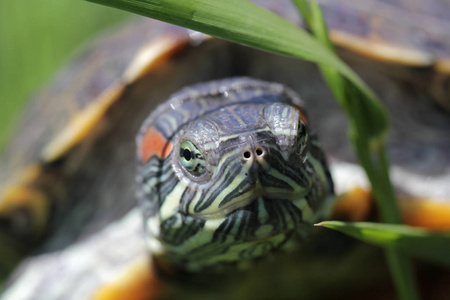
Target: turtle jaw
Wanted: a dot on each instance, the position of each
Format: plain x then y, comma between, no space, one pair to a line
255,223
263,226
247,199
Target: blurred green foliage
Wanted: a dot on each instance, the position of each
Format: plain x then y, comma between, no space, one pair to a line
36,38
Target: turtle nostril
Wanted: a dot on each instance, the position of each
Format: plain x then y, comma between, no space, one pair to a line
247,154
259,152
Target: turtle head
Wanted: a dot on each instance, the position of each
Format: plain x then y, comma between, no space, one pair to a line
236,183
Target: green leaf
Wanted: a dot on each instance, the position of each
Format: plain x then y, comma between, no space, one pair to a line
371,152
418,242
364,110
246,23
334,80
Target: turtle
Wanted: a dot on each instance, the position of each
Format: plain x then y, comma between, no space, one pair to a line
71,167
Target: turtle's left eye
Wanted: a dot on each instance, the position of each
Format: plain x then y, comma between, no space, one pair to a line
192,159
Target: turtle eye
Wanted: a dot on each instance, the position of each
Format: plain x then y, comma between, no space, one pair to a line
192,159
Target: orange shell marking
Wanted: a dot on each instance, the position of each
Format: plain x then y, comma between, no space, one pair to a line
154,143
138,282
426,213
354,205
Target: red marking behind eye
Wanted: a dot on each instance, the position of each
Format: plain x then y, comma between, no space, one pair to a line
303,116
154,143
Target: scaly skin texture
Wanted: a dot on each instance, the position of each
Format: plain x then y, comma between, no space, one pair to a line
229,172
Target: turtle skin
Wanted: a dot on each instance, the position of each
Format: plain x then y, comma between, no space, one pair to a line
229,171
419,147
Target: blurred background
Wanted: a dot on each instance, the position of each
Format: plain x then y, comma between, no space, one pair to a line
37,37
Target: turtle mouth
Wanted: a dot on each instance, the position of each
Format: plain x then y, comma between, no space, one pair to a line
262,220
245,200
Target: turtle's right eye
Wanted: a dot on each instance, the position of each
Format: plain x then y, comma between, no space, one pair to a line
192,159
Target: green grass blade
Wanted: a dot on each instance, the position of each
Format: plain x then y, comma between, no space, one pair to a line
418,242
248,24
361,116
371,153
403,273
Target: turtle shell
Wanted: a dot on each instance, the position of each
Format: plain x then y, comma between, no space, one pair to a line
78,136
397,31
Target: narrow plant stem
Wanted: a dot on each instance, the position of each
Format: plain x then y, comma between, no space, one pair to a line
377,170
400,266
373,159
402,270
